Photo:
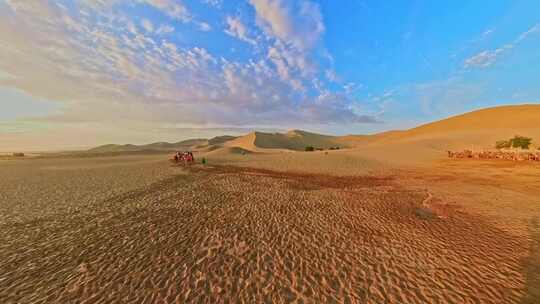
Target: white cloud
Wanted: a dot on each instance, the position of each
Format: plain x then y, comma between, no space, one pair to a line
178,11
147,25
295,29
296,22
487,33
172,8
351,87
236,28
533,30
331,75
205,27
213,3
487,58
164,29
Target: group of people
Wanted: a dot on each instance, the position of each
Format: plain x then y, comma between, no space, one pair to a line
186,157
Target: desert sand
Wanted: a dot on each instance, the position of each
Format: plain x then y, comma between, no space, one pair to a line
386,219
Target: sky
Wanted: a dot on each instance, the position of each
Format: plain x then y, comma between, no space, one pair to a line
80,73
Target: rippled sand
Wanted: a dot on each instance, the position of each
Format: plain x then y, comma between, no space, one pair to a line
139,231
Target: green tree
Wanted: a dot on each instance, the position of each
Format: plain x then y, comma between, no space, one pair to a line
310,148
521,142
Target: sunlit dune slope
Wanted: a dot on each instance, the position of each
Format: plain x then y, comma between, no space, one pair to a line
477,129
292,140
226,151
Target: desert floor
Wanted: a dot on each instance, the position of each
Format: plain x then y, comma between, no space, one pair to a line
269,228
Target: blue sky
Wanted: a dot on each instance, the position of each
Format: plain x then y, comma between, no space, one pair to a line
87,72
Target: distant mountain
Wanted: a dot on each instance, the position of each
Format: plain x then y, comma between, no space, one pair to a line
189,144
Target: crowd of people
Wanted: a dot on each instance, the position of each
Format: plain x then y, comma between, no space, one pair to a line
185,157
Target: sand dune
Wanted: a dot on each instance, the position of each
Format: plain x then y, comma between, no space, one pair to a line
475,130
292,140
479,129
227,151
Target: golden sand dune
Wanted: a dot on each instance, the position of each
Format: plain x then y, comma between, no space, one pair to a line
227,151
292,140
479,129
496,118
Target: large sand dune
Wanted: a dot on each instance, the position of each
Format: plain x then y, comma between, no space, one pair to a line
478,130
475,130
292,140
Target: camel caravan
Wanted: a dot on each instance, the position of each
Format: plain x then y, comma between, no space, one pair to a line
504,155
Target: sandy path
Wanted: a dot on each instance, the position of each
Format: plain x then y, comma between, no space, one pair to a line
252,236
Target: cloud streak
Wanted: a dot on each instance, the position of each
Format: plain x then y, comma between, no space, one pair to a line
236,28
487,58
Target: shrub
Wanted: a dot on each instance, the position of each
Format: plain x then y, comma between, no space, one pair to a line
310,149
203,161
502,144
516,142
521,142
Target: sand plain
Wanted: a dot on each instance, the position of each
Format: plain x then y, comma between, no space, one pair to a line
285,227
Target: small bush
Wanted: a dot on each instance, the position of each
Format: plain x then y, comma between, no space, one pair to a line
310,149
521,142
503,144
203,161
516,142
